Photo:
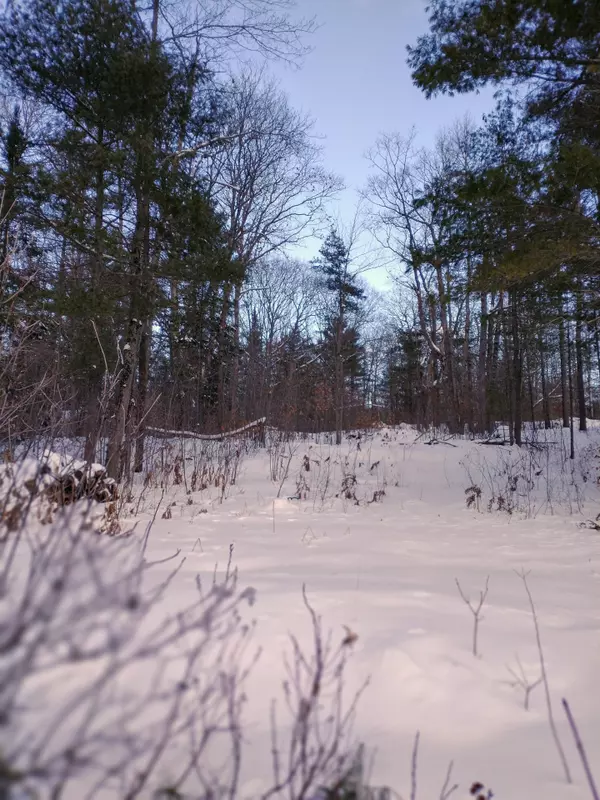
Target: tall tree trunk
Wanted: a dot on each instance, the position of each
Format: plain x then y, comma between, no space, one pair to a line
517,373
429,332
481,365
564,385
571,396
94,423
339,379
545,395
580,363
495,338
468,390
235,358
597,345
155,15
116,456
530,388
224,361
142,395
436,365
138,409
449,365
138,314
509,376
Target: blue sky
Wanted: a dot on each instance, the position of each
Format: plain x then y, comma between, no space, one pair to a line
356,84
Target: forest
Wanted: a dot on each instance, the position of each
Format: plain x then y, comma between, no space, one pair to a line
253,541
157,186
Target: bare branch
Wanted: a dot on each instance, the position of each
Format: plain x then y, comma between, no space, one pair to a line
414,767
475,610
581,751
522,681
561,753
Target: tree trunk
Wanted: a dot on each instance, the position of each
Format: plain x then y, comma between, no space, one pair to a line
597,344
564,385
224,361
138,314
509,376
436,365
339,381
571,398
430,336
580,364
115,457
495,333
481,366
468,392
449,366
545,396
142,396
235,358
94,423
517,373
155,14
531,397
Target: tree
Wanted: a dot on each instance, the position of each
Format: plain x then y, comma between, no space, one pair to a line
125,105
278,314
474,42
551,48
131,246
334,266
228,30
269,183
409,215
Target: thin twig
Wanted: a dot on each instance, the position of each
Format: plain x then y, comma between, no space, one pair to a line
559,747
522,681
150,524
475,610
414,766
164,560
581,750
448,790
229,562
100,346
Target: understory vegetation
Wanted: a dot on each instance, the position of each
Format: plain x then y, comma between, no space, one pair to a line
151,692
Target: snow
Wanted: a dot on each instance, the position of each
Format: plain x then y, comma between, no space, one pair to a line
385,567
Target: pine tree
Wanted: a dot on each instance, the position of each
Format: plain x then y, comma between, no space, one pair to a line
14,179
475,42
334,265
125,206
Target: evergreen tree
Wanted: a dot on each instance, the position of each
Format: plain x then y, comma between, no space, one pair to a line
15,278
552,47
334,266
475,42
551,243
118,192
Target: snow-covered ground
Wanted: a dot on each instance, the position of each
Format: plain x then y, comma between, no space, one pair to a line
379,532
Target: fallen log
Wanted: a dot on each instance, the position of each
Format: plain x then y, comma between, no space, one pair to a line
258,423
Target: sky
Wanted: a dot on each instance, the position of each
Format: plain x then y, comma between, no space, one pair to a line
356,85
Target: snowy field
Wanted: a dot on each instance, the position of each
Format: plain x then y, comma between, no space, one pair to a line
380,530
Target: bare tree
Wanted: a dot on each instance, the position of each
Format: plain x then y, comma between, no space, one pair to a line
268,181
279,304
232,28
413,226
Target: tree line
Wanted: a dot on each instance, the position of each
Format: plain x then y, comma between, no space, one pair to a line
156,181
